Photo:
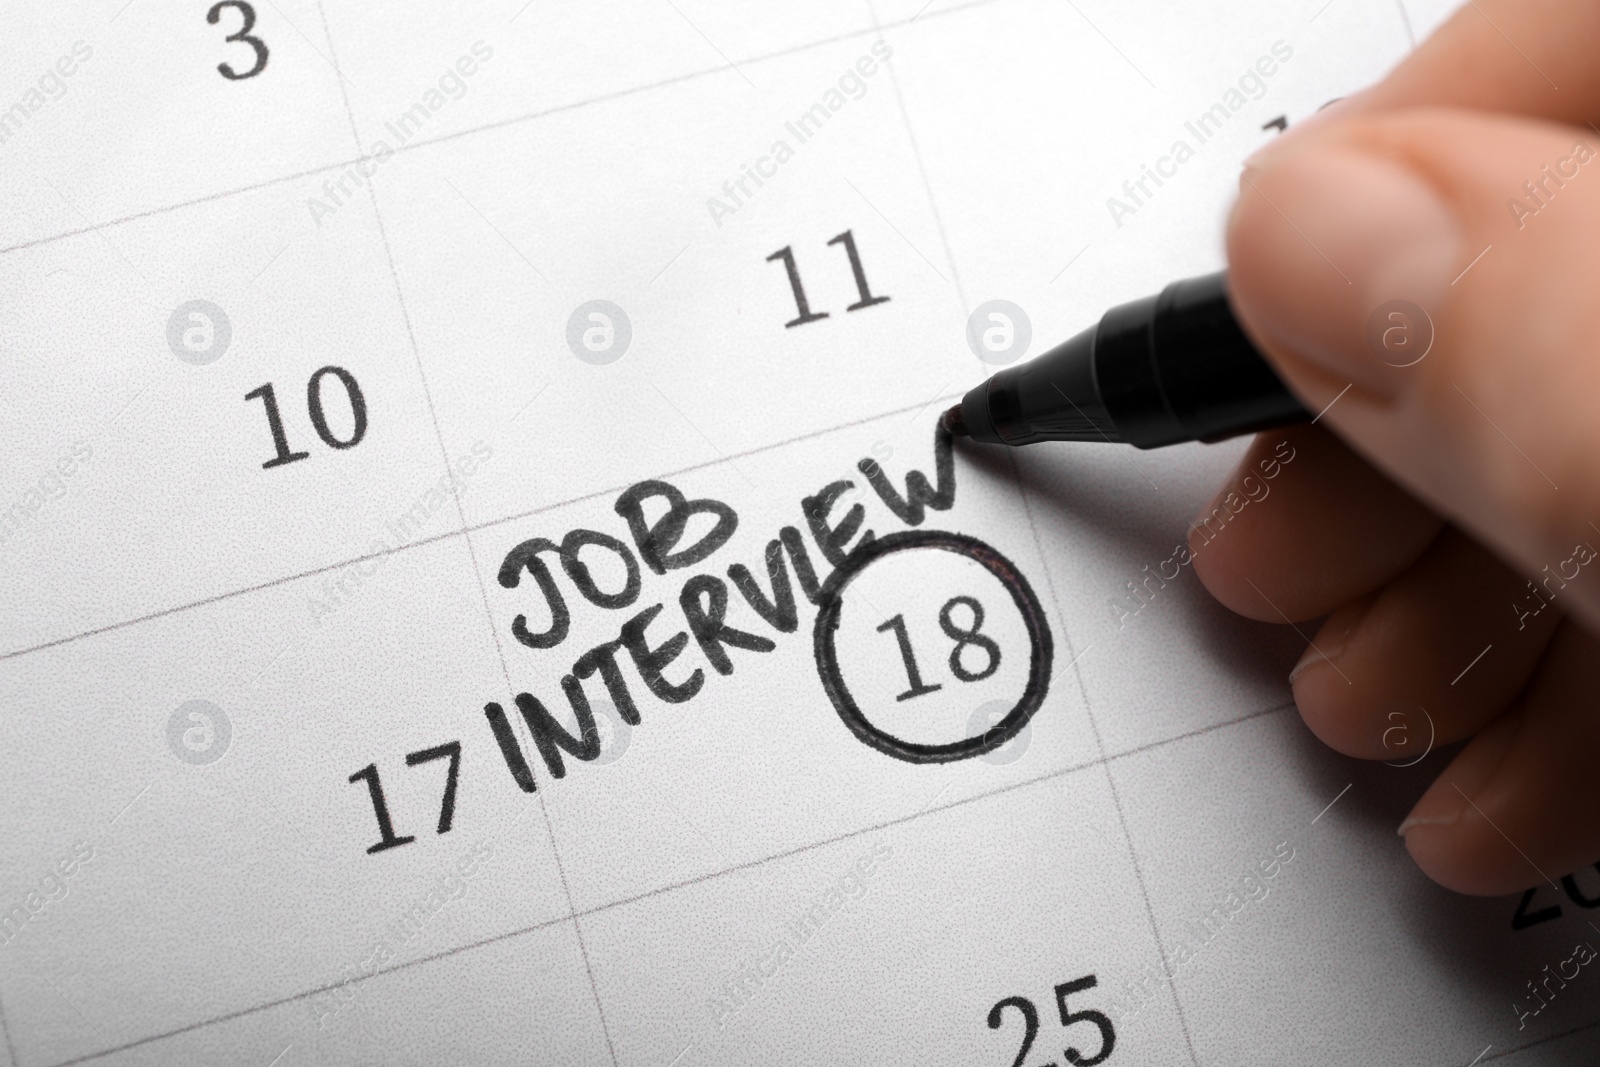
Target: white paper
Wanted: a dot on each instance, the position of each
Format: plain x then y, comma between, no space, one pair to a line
201,655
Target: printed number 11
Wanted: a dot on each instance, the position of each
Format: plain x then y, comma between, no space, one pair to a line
802,305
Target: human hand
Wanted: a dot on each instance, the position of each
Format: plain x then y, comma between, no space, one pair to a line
1444,485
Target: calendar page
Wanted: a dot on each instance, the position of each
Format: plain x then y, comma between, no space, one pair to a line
485,582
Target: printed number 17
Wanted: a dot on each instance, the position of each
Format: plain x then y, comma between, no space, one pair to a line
387,838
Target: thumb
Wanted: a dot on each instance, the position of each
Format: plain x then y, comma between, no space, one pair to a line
1431,275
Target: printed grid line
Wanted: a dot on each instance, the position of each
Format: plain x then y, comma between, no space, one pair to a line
922,167
461,518
610,905
499,649
1405,20
876,29
532,116
5,1028
1574,1031
470,528
465,531
1022,493
1111,782
463,528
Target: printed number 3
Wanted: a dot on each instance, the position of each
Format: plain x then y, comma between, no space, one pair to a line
248,15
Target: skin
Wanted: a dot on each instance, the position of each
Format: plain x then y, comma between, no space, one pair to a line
1428,495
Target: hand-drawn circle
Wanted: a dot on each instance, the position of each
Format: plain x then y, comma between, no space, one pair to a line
614,732
1400,333
198,332
984,718
199,732
599,332
999,332
830,602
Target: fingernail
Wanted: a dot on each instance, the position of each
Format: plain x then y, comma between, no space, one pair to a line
1313,655
1449,798
1329,644
1440,818
1324,239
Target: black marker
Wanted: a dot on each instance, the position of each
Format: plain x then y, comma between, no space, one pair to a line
1168,368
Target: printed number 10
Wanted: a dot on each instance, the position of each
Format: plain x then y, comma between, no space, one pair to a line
280,439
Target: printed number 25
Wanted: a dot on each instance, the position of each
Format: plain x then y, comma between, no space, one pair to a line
1030,1022
247,15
